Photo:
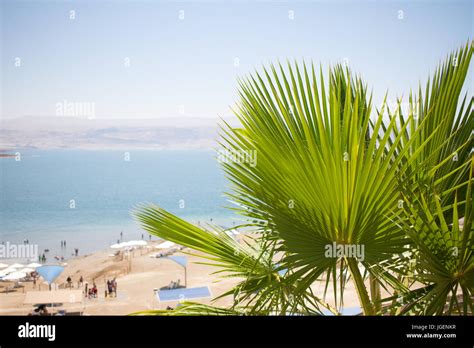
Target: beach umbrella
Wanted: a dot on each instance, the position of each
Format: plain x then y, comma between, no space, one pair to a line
27,270
165,245
3,265
17,265
6,271
183,262
136,243
34,265
49,273
15,276
117,246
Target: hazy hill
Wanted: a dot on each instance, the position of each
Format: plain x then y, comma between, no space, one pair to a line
74,132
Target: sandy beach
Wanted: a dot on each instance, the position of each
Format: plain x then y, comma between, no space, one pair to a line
136,281
134,286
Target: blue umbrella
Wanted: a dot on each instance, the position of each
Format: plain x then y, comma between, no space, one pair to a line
183,262
180,260
50,273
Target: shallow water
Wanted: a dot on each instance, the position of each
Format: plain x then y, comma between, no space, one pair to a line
85,197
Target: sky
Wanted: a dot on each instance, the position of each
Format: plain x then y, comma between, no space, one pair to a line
158,59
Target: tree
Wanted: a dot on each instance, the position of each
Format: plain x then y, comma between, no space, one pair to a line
331,171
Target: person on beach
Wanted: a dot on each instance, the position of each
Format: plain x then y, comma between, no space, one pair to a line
42,310
81,281
69,282
110,288
86,293
76,251
114,287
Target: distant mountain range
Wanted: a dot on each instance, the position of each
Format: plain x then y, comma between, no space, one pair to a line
83,133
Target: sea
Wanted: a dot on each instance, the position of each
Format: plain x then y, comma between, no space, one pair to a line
85,197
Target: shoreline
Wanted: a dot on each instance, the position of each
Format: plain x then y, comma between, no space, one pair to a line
87,240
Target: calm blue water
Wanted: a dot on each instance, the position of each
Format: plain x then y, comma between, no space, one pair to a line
36,194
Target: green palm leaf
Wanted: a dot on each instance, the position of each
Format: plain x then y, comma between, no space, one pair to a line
328,170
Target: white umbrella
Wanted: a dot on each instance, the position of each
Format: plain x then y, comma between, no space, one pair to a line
117,246
4,272
26,270
3,265
15,276
165,245
34,265
17,265
136,243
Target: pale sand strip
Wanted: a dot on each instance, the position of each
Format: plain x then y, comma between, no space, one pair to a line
135,287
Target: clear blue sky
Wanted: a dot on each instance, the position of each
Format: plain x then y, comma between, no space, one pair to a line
190,62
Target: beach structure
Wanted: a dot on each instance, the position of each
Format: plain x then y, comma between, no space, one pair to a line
14,276
131,243
165,245
6,271
183,294
168,248
49,273
34,265
17,265
183,262
56,298
27,270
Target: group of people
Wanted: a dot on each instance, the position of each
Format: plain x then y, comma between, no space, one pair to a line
90,292
40,310
80,282
63,244
42,258
111,288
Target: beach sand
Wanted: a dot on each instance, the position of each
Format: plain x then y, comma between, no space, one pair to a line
134,286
